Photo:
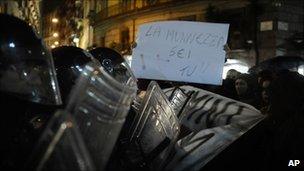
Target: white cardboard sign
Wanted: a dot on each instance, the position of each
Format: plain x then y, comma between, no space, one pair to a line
180,51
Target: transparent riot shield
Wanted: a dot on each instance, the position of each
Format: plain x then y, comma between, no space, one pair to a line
205,110
214,122
100,104
61,147
178,100
153,132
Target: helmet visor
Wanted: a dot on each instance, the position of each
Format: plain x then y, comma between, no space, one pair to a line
30,74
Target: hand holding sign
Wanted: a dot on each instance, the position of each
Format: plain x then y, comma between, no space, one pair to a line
180,51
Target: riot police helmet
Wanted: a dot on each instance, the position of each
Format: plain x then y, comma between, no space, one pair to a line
113,63
69,62
26,66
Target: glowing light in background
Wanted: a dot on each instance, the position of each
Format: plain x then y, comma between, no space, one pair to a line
301,70
55,34
55,20
76,40
12,45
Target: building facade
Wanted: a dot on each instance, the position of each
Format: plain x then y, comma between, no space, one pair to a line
27,10
115,23
62,25
279,22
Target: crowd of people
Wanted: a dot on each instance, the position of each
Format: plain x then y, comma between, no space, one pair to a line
279,137
249,88
256,88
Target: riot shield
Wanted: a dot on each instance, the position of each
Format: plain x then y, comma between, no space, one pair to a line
178,100
153,132
61,147
205,110
214,122
100,104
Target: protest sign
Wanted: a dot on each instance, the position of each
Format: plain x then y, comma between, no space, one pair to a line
180,51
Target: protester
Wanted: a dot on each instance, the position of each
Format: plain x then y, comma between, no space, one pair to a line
228,87
264,78
265,75
232,74
285,137
275,141
244,86
264,99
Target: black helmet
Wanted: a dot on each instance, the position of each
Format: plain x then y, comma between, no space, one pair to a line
26,66
113,63
108,58
69,62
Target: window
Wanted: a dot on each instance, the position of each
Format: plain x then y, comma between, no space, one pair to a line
282,26
266,25
125,38
102,41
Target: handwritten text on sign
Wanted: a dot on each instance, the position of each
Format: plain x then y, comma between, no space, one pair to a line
180,51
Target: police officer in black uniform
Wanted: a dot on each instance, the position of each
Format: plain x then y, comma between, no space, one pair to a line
113,63
29,91
69,62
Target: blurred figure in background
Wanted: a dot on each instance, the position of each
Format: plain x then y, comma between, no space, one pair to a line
265,103
284,133
233,74
245,88
265,78
264,75
228,88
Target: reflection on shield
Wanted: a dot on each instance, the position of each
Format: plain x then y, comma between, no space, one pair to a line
61,147
100,104
153,132
178,100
